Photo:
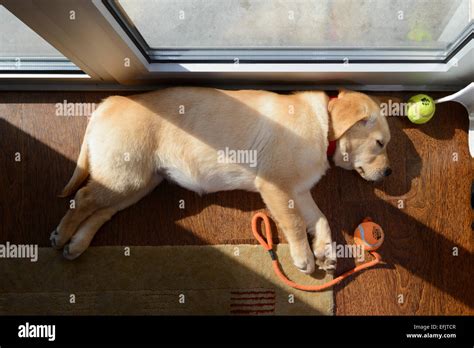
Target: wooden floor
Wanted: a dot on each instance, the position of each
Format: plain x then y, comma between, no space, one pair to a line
420,275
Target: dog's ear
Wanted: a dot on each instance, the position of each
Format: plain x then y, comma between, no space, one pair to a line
342,92
344,112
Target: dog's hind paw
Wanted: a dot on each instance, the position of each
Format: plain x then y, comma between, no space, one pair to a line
69,252
54,238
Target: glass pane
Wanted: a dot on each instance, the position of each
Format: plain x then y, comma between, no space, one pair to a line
293,24
22,49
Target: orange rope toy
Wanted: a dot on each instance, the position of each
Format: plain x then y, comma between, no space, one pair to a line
370,235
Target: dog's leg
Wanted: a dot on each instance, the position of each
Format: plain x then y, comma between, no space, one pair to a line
94,205
85,203
290,220
83,237
318,228
87,230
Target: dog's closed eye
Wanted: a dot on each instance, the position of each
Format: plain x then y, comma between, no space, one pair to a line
380,143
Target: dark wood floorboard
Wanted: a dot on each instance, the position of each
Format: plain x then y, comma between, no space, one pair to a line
419,238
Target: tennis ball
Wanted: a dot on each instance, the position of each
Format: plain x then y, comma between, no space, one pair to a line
421,108
369,234
419,34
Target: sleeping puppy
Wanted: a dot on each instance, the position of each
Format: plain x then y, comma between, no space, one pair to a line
209,140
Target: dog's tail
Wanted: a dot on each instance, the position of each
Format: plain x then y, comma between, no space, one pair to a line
81,172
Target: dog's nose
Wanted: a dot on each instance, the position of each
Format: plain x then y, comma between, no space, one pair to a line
387,171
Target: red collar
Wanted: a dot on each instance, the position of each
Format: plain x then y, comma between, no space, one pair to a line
331,148
332,143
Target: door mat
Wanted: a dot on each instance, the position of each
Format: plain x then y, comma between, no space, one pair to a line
159,280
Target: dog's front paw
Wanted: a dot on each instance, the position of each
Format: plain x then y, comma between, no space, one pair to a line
303,258
325,256
324,248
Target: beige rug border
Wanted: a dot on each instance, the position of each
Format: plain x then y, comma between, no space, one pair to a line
153,280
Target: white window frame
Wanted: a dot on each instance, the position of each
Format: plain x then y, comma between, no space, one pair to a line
98,45
285,55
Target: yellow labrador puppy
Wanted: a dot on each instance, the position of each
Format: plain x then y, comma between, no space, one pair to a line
209,140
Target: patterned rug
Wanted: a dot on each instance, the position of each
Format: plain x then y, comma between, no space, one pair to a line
164,280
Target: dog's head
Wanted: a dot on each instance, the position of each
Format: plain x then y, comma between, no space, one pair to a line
362,135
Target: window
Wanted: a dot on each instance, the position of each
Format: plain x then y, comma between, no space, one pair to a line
295,30
287,42
22,50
